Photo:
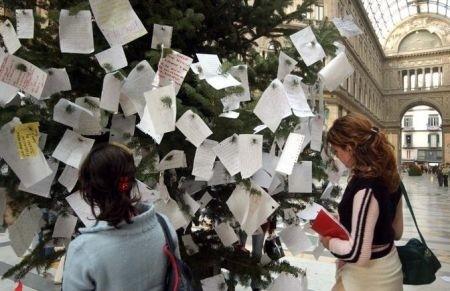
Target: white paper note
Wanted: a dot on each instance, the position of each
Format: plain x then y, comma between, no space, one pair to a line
162,108
22,74
42,188
139,80
112,59
30,170
288,282
189,244
295,239
290,153
69,177
25,23
296,96
307,45
172,69
300,181
262,178
347,27
174,159
23,230
230,102
226,234
146,126
73,149
8,93
197,69
228,153
316,133
117,21
310,212
57,81
251,210
230,114
336,72
273,105
64,226
206,198
326,194
82,209
193,127
340,47
193,205
204,160
215,283
110,97
162,36
9,36
69,113
89,124
75,32
211,69
147,194
220,175
285,65
240,74
250,154
122,128
173,212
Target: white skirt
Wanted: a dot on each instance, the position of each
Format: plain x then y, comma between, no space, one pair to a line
383,274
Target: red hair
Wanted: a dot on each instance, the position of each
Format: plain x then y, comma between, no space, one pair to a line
373,155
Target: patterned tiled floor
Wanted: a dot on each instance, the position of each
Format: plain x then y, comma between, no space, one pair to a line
432,208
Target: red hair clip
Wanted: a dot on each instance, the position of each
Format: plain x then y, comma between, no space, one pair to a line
124,184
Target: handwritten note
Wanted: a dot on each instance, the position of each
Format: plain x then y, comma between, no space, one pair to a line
30,170
172,68
73,149
307,45
9,36
25,23
24,229
290,153
162,36
75,32
110,98
27,139
22,74
193,127
117,21
57,81
112,59
139,80
42,188
250,154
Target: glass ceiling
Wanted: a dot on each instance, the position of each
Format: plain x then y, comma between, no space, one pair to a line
386,14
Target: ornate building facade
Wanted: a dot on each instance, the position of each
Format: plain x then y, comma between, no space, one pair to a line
399,64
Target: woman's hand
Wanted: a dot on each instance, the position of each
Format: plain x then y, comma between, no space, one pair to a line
325,240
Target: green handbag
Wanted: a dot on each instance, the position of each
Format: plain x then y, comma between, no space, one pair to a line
419,264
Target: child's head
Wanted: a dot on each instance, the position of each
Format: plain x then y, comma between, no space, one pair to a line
365,148
107,176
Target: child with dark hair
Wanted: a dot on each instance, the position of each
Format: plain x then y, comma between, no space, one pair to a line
124,249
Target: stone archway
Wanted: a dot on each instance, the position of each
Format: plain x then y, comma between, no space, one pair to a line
421,135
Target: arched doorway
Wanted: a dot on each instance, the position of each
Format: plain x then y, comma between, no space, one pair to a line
421,137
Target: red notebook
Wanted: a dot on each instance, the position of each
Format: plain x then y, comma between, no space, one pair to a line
326,224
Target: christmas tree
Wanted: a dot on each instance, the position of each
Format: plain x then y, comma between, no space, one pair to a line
230,29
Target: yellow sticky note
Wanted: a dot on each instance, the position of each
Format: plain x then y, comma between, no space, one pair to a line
27,139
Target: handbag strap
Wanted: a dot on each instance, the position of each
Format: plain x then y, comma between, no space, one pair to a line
166,230
405,194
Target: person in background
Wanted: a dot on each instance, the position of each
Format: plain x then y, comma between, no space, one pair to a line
440,176
124,249
445,172
370,209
